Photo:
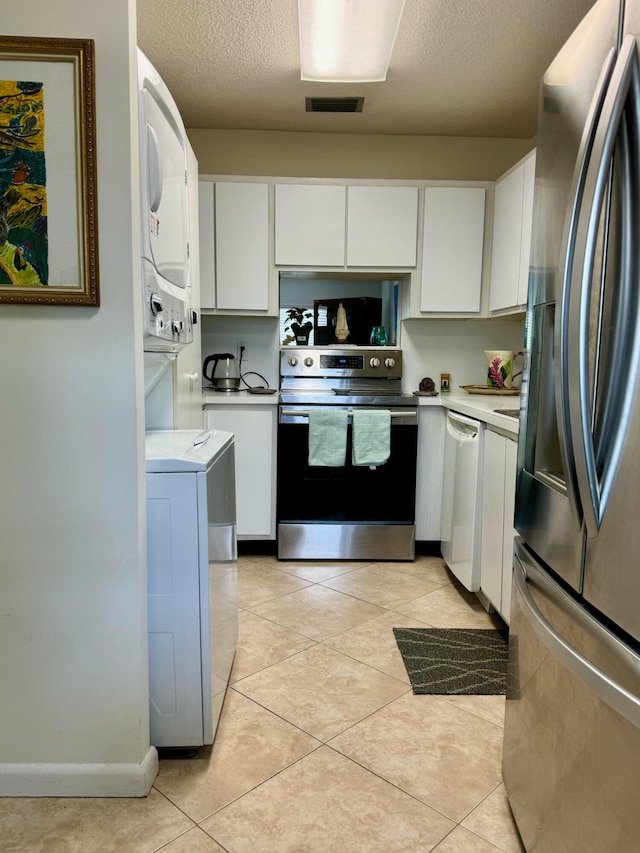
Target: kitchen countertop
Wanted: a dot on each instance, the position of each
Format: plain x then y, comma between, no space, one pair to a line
237,398
479,406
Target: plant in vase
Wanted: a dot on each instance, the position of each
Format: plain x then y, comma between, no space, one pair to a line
299,321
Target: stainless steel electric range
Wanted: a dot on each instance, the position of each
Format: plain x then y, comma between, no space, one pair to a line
348,512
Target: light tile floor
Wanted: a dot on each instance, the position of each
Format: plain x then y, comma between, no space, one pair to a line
321,746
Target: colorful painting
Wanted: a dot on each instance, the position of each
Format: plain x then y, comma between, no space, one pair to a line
48,172
23,193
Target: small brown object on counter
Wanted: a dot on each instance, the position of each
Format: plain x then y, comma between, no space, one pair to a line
427,388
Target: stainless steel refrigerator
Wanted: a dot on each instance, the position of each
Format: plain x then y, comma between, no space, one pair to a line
572,730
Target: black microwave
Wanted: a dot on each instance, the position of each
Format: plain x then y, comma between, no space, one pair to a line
363,313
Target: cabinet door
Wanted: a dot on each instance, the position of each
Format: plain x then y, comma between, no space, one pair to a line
452,249
429,472
382,226
254,428
527,225
207,253
510,469
507,230
310,225
242,246
492,518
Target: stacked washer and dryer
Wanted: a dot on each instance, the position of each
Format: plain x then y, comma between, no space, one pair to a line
191,507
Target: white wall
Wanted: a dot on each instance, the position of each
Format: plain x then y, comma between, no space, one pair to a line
355,155
221,334
432,347
73,667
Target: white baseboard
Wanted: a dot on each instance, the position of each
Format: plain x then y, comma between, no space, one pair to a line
79,780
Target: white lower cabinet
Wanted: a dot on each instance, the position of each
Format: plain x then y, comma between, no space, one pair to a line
254,428
430,466
498,501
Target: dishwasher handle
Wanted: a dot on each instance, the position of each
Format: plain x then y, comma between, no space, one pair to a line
461,428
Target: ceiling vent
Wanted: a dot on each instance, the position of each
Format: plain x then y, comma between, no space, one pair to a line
334,105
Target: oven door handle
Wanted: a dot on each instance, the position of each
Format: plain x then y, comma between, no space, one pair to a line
304,413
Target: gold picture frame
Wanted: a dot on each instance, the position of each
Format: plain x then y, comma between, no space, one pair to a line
48,172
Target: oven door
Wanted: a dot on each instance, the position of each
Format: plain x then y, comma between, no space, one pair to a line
350,512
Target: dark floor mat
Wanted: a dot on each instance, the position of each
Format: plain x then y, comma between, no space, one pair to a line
454,660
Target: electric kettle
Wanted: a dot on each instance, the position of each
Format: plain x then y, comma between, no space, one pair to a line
225,374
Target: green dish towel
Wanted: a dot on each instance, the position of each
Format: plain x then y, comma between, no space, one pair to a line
328,437
371,437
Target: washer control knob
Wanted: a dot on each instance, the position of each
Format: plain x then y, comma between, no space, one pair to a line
293,360
176,327
308,361
374,362
389,362
155,302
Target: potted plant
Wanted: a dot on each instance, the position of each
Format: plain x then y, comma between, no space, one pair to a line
299,321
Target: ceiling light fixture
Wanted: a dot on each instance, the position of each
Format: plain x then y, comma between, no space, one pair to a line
345,41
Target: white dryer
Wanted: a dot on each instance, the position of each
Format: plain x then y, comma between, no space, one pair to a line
164,190
192,582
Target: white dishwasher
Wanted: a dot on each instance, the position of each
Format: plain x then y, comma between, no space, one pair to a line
460,531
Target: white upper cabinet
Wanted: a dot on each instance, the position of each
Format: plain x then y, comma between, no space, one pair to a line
310,223
377,225
453,241
512,219
527,225
382,225
242,246
206,232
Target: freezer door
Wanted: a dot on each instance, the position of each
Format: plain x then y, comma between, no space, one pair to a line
611,471
572,736
549,512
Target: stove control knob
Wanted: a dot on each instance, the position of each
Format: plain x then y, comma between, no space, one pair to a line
293,360
389,362
308,361
374,362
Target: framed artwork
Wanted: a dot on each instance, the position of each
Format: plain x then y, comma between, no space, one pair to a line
48,203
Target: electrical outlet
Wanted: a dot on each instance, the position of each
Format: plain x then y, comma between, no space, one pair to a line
244,353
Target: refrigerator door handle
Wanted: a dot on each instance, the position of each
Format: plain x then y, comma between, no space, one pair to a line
567,266
593,489
614,694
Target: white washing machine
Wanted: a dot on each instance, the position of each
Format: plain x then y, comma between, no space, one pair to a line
192,582
164,199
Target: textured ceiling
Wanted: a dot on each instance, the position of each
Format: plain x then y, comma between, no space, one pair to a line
459,67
